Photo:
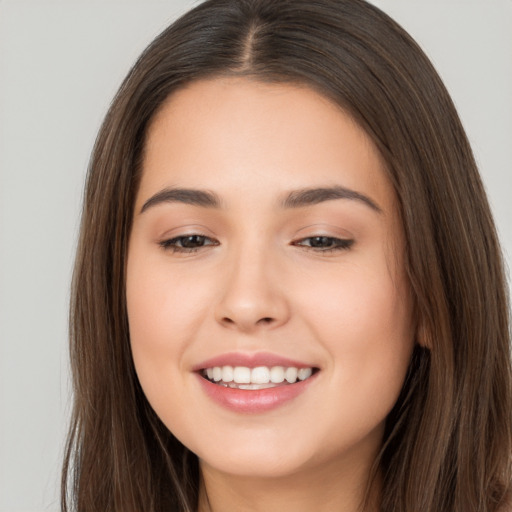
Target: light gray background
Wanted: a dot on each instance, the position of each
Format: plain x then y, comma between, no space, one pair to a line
60,64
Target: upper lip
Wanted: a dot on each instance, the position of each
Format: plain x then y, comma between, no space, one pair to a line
251,360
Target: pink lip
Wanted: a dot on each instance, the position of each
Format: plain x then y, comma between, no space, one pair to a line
251,360
254,401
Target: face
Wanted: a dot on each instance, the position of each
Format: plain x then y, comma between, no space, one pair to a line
269,312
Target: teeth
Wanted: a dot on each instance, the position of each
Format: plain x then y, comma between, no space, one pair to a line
242,375
304,373
227,374
217,374
260,377
291,374
249,386
277,374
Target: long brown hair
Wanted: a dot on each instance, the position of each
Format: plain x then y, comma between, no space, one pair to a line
448,441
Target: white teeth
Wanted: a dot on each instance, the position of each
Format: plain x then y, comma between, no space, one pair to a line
251,386
260,377
304,373
242,375
227,373
291,374
217,374
277,374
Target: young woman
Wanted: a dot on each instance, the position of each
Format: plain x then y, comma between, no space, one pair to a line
288,293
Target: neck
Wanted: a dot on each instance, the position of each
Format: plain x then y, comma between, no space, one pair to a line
322,489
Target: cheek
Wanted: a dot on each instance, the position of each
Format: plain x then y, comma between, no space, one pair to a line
162,304
357,305
366,328
161,322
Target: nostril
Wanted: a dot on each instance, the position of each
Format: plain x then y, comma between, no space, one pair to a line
265,320
247,321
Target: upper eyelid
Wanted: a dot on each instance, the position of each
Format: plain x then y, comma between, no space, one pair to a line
298,239
197,233
186,235
175,234
343,241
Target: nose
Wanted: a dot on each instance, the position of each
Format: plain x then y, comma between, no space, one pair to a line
252,297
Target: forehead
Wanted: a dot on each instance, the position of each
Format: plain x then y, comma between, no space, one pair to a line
239,134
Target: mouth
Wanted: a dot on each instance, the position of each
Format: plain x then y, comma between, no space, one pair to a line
256,378
255,383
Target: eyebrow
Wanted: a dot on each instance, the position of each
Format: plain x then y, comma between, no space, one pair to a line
194,197
311,196
294,199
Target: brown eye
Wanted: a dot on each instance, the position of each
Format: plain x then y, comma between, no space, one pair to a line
191,241
325,243
321,242
188,243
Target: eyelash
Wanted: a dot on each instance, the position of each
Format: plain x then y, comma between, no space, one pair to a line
172,244
335,244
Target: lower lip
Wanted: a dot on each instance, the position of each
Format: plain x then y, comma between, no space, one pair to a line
254,400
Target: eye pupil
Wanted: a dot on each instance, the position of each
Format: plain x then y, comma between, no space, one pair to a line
192,241
320,241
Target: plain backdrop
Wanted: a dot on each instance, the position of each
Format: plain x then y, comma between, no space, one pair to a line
60,64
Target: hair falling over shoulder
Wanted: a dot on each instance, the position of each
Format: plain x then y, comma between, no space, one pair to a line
447,445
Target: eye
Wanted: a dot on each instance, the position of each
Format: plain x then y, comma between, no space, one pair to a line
187,243
324,243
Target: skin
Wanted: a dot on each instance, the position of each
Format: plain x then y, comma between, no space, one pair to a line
257,284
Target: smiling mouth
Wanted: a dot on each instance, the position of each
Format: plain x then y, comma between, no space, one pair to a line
259,377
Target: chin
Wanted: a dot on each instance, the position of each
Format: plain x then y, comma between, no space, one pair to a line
268,465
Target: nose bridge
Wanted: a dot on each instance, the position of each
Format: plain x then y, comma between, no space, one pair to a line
252,296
